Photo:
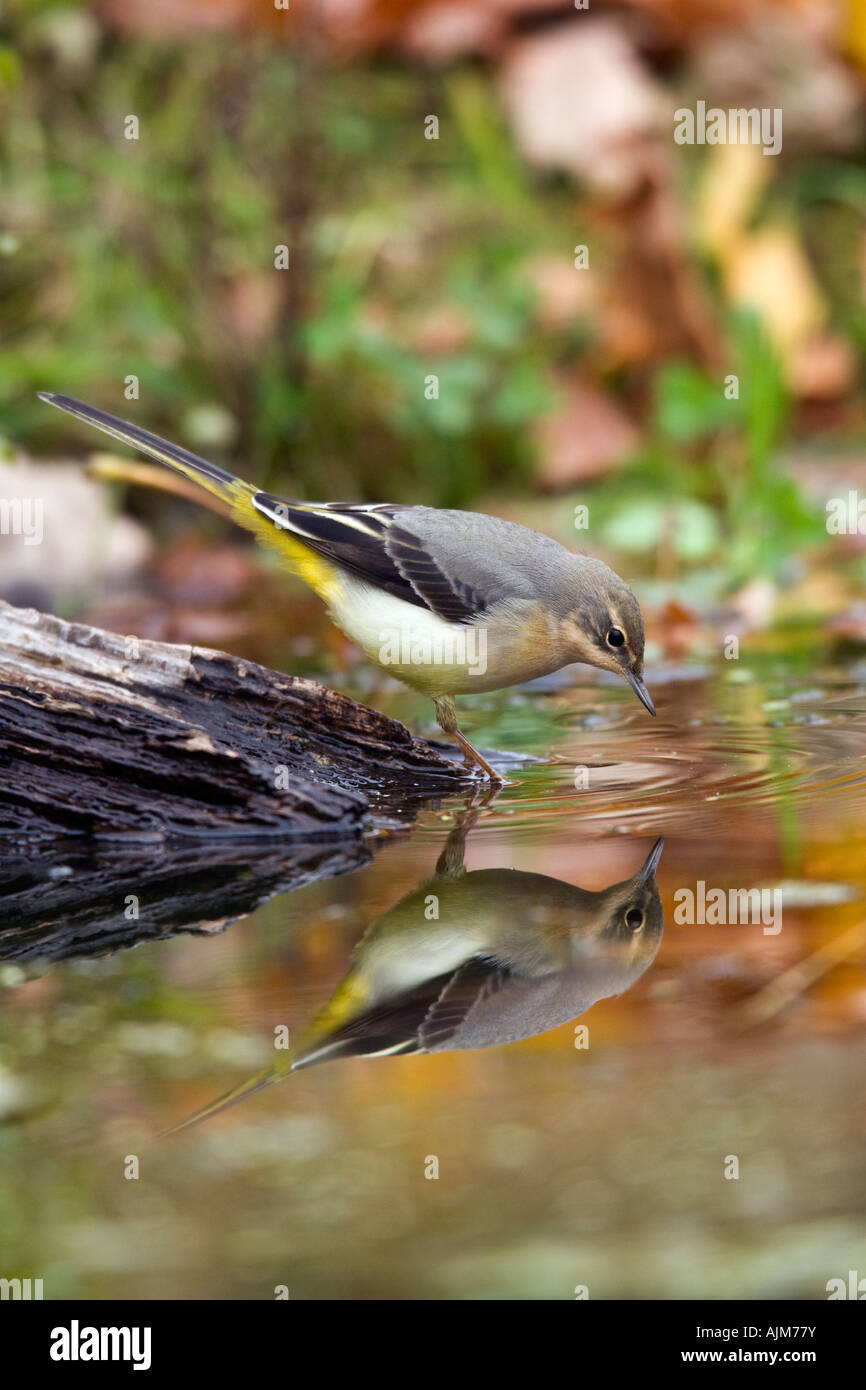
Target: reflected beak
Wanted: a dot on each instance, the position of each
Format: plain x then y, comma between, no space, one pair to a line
640,690
651,863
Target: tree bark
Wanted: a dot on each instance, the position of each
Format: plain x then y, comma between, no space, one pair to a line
114,736
88,898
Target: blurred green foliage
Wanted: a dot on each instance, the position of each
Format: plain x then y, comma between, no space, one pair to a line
155,257
711,483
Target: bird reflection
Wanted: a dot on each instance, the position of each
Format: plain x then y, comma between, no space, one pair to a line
477,959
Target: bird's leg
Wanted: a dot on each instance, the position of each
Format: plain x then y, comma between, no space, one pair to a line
446,715
473,756
450,863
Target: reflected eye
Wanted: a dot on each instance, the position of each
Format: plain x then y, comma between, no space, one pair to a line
634,918
615,637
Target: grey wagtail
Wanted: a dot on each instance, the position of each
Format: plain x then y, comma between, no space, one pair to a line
479,959
448,602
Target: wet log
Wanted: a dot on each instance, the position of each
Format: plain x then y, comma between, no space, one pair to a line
114,736
86,897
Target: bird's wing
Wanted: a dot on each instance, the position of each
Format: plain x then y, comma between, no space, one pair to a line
424,1018
378,544
477,979
500,561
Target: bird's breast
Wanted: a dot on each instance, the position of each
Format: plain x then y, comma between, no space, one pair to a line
506,647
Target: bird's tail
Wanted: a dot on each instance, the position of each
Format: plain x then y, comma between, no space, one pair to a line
297,557
349,997
232,1097
224,485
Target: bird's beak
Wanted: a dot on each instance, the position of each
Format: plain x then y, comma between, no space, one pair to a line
640,690
648,869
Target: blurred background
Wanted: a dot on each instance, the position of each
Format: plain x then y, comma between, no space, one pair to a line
649,350
582,288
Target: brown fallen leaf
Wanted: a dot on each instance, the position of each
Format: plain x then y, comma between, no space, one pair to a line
588,435
783,58
823,369
580,99
654,302
251,305
564,295
731,182
441,32
767,271
441,331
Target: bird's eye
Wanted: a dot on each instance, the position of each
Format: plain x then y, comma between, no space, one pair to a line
615,637
634,919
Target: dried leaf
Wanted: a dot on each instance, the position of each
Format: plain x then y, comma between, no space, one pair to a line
580,100
588,435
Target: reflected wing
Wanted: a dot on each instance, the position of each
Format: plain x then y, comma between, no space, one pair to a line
424,1018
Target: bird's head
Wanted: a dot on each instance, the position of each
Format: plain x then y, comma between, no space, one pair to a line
636,909
628,919
603,625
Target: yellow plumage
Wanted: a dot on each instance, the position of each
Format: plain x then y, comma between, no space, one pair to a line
298,558
322,577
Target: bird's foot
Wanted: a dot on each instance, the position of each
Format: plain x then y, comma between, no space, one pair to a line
472,758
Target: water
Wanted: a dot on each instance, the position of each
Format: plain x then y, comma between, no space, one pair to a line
591,1154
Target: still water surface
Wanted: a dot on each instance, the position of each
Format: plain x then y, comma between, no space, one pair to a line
573,1063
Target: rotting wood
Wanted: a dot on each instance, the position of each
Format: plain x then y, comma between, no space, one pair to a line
116,736
87,898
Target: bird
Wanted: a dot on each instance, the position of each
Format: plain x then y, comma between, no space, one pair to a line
476,959
449,602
